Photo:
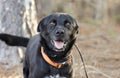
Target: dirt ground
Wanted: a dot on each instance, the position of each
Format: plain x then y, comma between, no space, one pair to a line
100,47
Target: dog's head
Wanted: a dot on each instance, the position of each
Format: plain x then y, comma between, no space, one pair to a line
58,30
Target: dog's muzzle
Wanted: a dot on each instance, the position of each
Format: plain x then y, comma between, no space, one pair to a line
59,32
59,41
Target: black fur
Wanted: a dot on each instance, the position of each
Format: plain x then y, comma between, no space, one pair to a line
55,27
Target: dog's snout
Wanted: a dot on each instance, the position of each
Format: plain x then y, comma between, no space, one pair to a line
59,32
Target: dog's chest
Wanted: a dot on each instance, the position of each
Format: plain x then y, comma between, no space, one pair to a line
55,76
54,73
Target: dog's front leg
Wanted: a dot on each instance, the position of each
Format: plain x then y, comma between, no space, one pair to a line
25,70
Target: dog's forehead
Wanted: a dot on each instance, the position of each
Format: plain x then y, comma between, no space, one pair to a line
60,16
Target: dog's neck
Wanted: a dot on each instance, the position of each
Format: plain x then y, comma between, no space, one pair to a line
58,65
55,56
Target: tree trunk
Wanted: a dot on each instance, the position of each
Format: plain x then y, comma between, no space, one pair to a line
11,12
17,17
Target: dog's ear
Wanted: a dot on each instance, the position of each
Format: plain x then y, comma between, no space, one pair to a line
41,25
76,27
76,31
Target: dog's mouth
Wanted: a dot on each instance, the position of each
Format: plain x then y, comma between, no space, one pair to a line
59,45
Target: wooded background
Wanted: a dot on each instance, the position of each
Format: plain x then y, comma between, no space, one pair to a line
99,20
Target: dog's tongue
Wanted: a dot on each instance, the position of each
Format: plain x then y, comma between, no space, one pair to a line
59,44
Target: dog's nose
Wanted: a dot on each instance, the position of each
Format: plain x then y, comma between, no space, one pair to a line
59,32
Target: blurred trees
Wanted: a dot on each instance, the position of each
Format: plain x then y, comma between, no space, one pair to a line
96,11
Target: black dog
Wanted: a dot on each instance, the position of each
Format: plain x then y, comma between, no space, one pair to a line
48,53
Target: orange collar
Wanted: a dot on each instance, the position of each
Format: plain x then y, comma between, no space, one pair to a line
49,61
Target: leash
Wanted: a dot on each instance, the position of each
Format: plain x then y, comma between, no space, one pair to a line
81,60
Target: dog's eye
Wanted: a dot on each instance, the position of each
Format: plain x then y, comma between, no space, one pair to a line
67,23
52,23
